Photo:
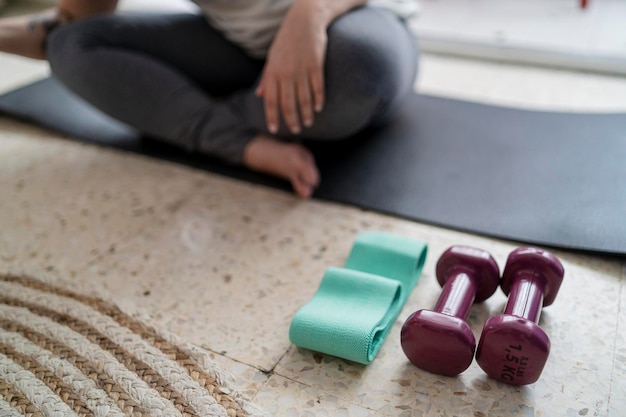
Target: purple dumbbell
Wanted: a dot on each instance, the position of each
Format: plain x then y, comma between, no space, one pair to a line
440,341
513,348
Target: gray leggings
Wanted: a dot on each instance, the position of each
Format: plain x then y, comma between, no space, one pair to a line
175,78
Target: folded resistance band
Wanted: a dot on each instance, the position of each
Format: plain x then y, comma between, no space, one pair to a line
355,306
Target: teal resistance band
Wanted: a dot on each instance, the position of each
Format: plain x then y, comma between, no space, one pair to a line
355,306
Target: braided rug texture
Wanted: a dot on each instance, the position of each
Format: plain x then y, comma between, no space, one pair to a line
64,353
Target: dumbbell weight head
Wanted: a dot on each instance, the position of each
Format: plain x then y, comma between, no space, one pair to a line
440,341
512,347
539,262
472,261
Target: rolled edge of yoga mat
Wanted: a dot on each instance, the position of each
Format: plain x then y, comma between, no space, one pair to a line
353,309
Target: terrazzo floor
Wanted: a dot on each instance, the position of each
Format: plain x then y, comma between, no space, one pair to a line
226,264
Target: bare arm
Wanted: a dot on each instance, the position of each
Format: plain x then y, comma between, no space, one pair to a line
25,35
293,77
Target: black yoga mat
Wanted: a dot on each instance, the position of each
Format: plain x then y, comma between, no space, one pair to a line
542,178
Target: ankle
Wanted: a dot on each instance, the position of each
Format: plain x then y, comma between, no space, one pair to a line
49,20
26,35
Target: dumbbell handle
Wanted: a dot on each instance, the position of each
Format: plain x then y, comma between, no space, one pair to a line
457,296
526,296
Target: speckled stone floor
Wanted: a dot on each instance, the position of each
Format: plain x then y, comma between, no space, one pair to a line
226,264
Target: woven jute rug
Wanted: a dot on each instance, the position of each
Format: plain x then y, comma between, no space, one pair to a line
69,353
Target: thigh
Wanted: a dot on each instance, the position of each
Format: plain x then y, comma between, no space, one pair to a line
186,43
371,56
370,66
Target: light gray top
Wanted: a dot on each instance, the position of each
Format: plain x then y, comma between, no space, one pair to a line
252,24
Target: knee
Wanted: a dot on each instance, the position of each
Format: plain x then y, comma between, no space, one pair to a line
371,64
66,45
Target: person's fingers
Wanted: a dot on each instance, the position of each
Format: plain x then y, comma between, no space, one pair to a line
305,102
259,90
288,105
317,88
270,102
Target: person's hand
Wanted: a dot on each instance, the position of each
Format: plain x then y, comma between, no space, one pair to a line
293,78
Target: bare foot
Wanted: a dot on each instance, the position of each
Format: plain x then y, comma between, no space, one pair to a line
290,161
